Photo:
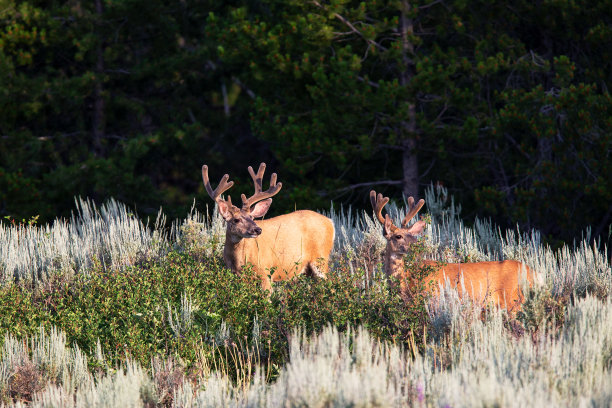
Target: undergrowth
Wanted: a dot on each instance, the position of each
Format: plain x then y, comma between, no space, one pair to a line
167,319
135,312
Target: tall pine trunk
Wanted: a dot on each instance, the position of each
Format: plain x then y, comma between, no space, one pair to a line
99,120
408,127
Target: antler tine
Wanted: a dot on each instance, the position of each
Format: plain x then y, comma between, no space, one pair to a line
258,183
378,202
223,186
412,210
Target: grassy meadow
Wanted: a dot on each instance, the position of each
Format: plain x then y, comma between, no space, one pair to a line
103,310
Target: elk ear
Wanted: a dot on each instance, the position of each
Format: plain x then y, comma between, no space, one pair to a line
261,208
417,228
224,210
388,228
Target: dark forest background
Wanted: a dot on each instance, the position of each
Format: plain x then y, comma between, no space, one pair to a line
507,104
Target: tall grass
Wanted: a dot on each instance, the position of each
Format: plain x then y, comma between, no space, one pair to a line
469,359
483,365
580,268
114,236
111,235
489,367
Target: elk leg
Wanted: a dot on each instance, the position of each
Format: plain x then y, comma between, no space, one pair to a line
265,284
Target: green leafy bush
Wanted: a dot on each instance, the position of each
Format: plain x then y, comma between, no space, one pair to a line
141,311
198,326
542,311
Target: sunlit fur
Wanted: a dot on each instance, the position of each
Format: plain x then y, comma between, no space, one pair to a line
278,248
288,245
495,281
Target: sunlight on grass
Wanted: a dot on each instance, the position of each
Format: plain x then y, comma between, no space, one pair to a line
210,339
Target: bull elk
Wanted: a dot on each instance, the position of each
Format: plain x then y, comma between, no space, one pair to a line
484,281
278,248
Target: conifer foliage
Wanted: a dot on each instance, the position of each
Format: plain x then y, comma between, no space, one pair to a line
507,105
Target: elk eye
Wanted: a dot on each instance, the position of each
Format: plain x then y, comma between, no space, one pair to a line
236,220
398,237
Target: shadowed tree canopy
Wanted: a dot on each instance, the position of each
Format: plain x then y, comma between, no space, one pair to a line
507,105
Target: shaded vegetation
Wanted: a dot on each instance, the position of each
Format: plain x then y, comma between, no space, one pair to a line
507,105
127,311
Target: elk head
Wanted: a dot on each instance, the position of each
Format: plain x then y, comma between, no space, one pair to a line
399,240
240,221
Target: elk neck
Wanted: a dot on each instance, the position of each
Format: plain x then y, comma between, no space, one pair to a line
394,263
233,252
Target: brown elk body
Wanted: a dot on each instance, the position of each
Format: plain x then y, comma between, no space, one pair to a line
483,281
278,248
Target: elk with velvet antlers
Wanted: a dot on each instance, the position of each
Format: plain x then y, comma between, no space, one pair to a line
483,281
278,248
